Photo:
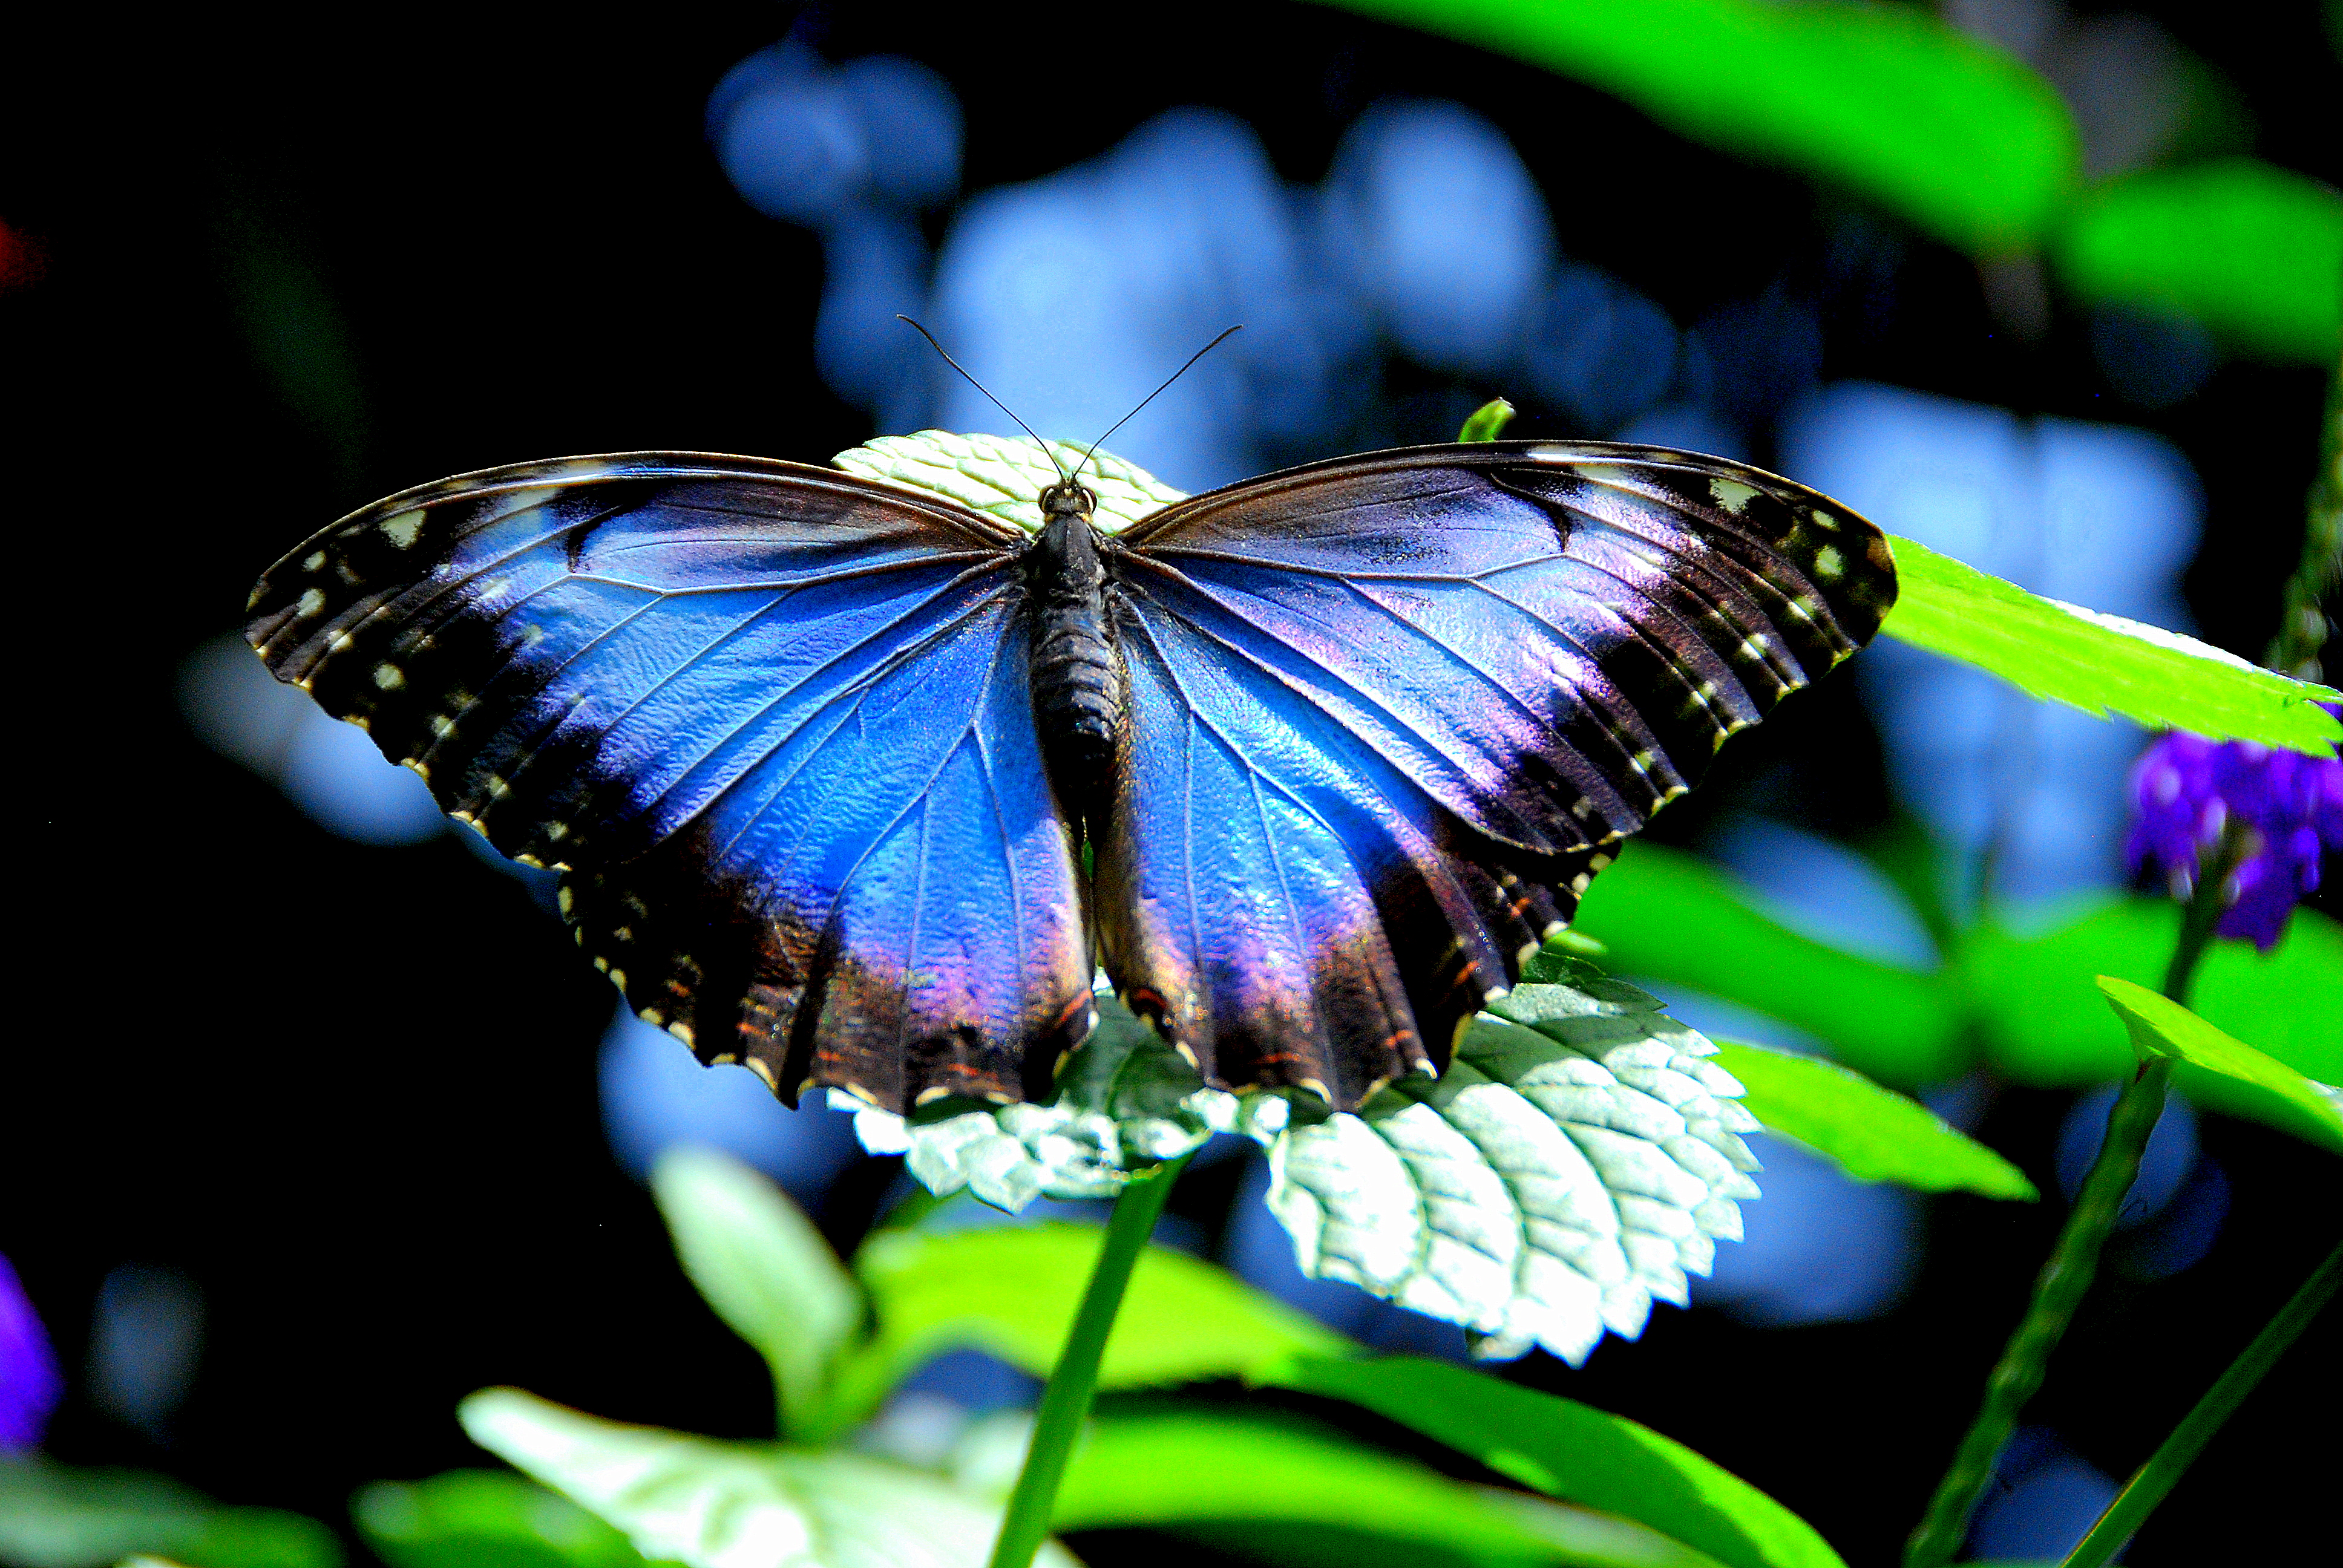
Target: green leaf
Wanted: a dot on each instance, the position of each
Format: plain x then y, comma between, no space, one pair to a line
2101,663
2039,1019
1572,1451
1872,1134
1125,1099
55,1516
484,1518
1238,1478
1665,915
1488,421
1577,1158
2252,251
1003,477
1956,135
709,1504
762,1266
2163,1028
1012,1291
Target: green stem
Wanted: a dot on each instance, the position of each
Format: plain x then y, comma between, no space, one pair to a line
2058,1292
2065,1279
2304,628
1073,1382
2155,1479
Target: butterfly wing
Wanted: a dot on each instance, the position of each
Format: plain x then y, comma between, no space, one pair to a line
773,720
1390,712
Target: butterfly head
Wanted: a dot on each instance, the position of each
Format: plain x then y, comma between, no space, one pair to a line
1067,499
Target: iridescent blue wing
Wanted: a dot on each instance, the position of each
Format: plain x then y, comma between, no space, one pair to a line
1389,713
771,719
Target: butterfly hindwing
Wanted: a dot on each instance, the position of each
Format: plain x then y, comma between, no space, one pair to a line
1390,712
772,720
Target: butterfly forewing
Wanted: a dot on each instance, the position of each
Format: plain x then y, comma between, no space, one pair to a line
1391,712
772,717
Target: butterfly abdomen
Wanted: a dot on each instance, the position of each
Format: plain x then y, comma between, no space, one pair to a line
1076,679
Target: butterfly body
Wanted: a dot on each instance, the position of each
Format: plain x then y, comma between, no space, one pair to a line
820,755
1077,679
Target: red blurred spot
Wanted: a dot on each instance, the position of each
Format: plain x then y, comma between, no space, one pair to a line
22,260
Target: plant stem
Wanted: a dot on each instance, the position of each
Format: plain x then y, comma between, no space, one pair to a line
1073,1382
2058,1290
2304,628
2155,1479
2065,1279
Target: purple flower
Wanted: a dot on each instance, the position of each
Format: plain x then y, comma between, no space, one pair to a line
2188,790
29,1382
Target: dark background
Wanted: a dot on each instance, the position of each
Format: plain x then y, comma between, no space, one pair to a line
271,271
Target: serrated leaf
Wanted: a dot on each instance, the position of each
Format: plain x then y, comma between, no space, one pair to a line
1873,1134
762,1266
2161,1027
710,1504
1887,100
2099,663
1125,1099
2252,251
484,1518
1572,1451
1579,1157
1003,475
1670,916
1012,1291
1237,1478
57,1516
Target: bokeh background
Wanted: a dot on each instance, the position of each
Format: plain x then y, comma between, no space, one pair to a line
313,1119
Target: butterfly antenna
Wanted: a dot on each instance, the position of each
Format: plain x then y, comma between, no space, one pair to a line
1150,398
1062,477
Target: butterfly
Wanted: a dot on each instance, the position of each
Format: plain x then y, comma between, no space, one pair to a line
862,787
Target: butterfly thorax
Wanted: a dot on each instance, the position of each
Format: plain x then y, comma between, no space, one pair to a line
1077,682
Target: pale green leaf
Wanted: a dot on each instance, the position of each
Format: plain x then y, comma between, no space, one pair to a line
1886,100
484,1518
2101,663
56,1516
1125,1099
710,1504
761,1265
2161,1027
1572,1451
1577,1158
1003,475
1873,1134
1236,1478
1012,1291
2252,251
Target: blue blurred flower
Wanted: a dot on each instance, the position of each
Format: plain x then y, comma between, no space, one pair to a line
2186,790
30,1383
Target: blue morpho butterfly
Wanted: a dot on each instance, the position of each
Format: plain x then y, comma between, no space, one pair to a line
856,785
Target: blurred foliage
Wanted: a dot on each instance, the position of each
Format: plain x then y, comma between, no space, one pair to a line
1955,136
2101,663
484,1518
1011,1292
1887,100
1235,1479
1873,1134
53,1516
2253,252
2019,999
1571,1450
764,1268
2163,1028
